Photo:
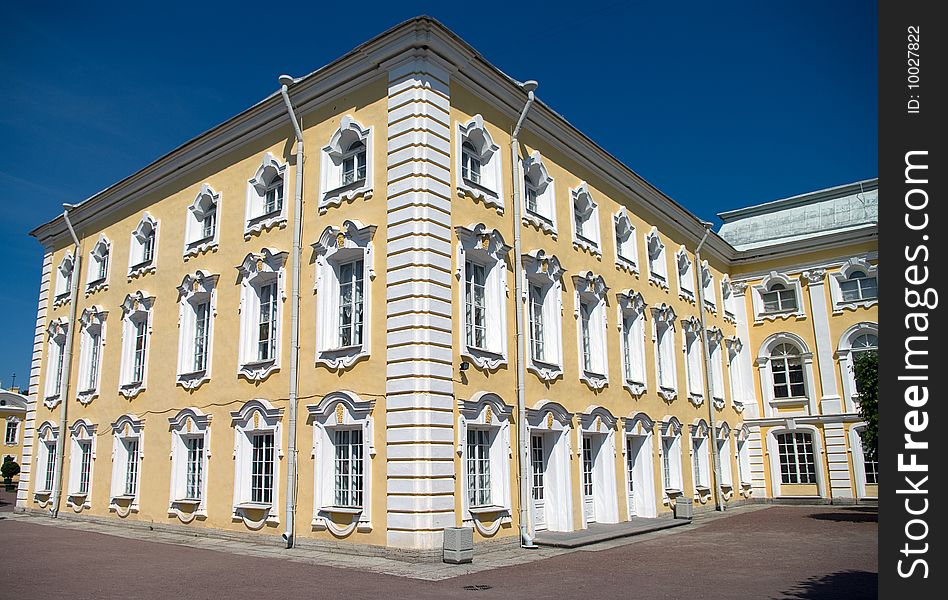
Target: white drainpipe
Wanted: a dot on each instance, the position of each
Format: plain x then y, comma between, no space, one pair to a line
67,367
285,81
526,540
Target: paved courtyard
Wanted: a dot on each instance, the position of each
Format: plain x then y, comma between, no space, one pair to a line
773,552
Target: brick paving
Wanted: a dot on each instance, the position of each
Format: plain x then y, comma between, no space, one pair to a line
774,552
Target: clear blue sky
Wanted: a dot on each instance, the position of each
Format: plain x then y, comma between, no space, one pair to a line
719,105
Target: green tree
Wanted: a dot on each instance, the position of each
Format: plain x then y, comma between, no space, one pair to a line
9,470
867,385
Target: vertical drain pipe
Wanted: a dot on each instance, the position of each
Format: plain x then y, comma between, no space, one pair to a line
67,366
288,535
526,541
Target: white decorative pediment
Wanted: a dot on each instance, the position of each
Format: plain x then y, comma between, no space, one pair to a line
626,247
639,423
539,183
258,218
139,263
207,202
657,267
336,186
585,209
487,186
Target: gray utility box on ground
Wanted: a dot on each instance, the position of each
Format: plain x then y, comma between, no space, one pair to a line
684,509
458,545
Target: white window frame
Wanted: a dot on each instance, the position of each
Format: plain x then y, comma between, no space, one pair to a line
684,267
14,423
188,424
700,460
707,281
196,290
338,246
631,326
854,264
640,425
484,247
489,189
555,423
598,421
722,445
341,410
858,453
590,290
544,272
657,260
694,359
257,219
663,342
742,455
764,286
137,308
57,332
740,394
91,350
488,412
847,361
669,448
773,452
82,432
47,436
100,259
582,204
255,272
765,369
333,190
728,300
715,342
537,179
626,242
126,429
64,279
256,416
138,261
206,203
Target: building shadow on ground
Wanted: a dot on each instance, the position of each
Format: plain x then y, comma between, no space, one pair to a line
853,514
852,585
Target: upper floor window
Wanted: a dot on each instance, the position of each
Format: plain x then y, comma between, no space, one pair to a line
728,299
707,283
136,333
197,299
479,174
787,370
257,452
855,284
482,267
64,279
544,283
344,271
691,328
626,246
591,329
539,197
11,435
144,244
858,339
346,163
262,291
663,325
657,263
56,351
585,220
99,259
777,297
91,344
201,229
632,331
266,191
735,368
686,276
715,341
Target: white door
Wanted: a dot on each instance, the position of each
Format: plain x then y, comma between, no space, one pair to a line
589,503
630,464
538,462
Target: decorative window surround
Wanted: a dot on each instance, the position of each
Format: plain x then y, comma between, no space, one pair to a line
91,351
64,279
257,271
735,357
136,342
590,295
722,445
47,436
773,451
258,218
686,276
857,265
539,195
100,263
857,451
336,183
715,341
742,455
143,247
847,364
487,412
79,488
486,183
341,410
486,248
663,340
197,302
11,435
190,426
631,325
597,422
760,315
700,461
670,454
554,423
707,281
657,263
256,417
337,247
584,213
639,468
627,248
544,273
691,347
807,403
128,435
203,214
57,331
728,300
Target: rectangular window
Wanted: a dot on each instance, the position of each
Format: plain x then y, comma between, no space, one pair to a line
470,163
580,219
349,468
202,315
103,266
266,335
261,469
475,304
796,458
587,467
584,315
350,303
138,365
60,356
697,447
630,463
871,468
538,463
209,225
780,299
10,436
95,342
85,467
668,446
627,348
478,467
50,465
531,193
273,201
536,323
353,164
131,467
148,248
194,473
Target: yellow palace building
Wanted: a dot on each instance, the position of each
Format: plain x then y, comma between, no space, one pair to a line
401,294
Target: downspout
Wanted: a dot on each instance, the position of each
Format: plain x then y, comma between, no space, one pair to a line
285,81
712,437
67,367
526,540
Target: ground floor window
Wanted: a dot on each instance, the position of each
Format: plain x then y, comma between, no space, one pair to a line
194,474
348,473
871,467
478,467
587,467
261,473
538,464
797,463
50,465
131,467
85,466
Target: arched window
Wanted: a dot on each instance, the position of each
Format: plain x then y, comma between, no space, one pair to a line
346,165
787,369
858,339
265,193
